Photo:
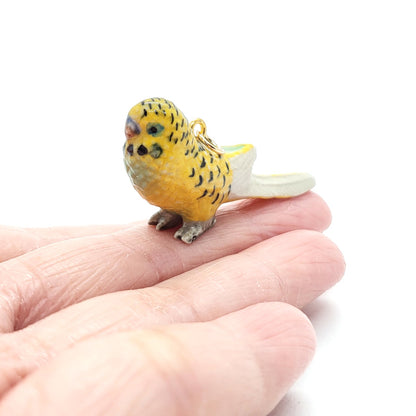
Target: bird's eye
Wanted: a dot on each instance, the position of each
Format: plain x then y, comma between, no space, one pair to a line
154,129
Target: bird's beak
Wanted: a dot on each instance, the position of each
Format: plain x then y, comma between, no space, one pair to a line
132,128
129,132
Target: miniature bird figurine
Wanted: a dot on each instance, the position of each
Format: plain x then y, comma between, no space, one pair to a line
174,165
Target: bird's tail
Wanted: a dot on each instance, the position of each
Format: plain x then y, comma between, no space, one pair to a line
275,186
247,185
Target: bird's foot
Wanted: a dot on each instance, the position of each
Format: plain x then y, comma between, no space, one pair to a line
165,219
193,229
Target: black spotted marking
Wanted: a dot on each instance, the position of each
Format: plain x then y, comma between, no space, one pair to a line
192,150
228,168
172,119
196,154
176,140
130,149
213,192
223,180
211,160
142,150
211,176
156,112
187,152
229,189
219,171
176,127
170,137
193,173
150,105
160,106
203,163
215,200
156,151
200,181
187,142
201,148
205,192
183,121
183,136
222,198
144,112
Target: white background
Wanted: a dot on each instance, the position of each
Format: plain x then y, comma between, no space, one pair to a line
326,87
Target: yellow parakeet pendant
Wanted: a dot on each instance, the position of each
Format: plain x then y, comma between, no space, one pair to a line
174,165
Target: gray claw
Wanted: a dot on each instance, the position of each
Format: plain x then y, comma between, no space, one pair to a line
165,219
190,231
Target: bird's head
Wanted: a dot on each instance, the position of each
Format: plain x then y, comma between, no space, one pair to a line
153,127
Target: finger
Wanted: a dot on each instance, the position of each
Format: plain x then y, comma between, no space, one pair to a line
17,241
242,364
51,278
295,267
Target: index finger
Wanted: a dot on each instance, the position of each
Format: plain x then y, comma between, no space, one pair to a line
16,241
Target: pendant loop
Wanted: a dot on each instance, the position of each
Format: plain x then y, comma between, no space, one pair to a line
201,136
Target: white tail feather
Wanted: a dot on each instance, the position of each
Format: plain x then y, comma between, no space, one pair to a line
275,186
247,185
283,186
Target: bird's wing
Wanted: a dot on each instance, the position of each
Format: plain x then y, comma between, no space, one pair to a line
241,159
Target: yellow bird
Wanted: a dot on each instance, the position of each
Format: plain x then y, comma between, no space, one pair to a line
174,165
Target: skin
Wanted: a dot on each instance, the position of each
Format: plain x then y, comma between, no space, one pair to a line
123,320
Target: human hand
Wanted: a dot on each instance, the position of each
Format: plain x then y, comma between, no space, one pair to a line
124,320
